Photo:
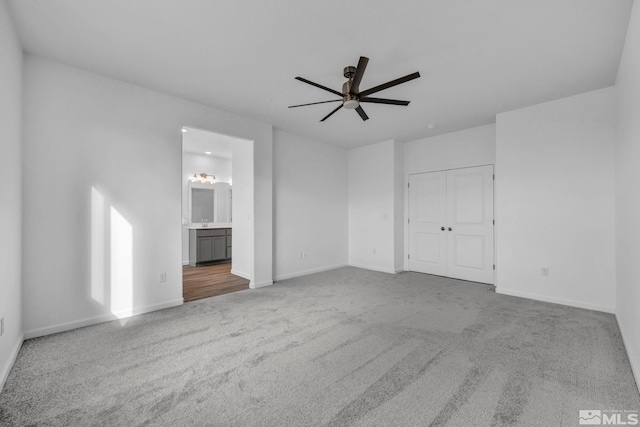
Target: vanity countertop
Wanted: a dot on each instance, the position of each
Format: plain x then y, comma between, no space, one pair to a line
211,225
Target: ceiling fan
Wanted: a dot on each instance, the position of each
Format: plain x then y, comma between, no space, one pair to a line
351,96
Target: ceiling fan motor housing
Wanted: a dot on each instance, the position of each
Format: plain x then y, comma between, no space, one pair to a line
346,88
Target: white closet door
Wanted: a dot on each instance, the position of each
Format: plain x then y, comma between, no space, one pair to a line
427,218
470,224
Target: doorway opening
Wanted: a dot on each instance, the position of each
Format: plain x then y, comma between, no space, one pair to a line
209,201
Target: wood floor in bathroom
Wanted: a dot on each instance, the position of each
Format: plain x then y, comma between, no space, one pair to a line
209,281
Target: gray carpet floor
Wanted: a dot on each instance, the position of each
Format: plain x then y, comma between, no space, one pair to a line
344,347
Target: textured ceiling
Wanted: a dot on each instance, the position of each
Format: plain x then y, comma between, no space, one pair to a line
476,58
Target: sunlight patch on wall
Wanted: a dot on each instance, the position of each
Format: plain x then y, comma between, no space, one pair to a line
97,247
121,265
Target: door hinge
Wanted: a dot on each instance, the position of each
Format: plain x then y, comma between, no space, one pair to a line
408,220
408,256
494,177
494,222
494,266
408,184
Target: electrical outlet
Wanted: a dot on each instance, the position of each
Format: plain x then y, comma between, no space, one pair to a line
374,251
544,271
1,326
163,277
304,255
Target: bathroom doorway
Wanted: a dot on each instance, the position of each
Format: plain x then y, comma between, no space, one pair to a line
208,202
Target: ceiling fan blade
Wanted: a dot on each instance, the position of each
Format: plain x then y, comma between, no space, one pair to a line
355,84
331,113
390,84
314,103
385,101
362,113
320,86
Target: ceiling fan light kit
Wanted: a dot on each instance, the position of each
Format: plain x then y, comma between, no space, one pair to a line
351,96
351,104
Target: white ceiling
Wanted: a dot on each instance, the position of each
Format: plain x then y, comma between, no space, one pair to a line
476,58
199,141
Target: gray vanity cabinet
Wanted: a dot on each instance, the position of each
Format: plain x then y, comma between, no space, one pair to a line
207,245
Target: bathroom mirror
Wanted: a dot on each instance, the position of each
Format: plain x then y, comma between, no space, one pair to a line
203,204
209,203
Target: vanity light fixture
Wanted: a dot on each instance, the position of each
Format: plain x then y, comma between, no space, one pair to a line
207,152
184,130
203,178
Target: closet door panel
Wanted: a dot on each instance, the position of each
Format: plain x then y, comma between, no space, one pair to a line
470,224
427,217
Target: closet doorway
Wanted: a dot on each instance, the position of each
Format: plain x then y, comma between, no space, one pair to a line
451,223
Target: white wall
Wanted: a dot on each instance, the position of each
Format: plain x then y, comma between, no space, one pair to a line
310,206
262,192
628,192
555,201
102,196
10,192
373,187
243,224
455,150
466,148
194,164
398,206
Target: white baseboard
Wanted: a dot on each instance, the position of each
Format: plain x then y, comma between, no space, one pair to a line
306,272
241,274
4,374
368,267
635,369
260,285
561,301
99,319
252,285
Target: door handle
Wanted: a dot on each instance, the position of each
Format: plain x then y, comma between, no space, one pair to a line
450,229
442,228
